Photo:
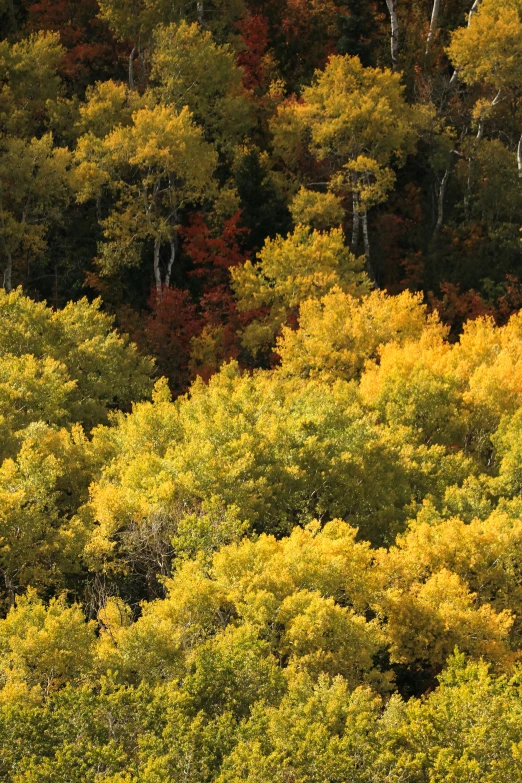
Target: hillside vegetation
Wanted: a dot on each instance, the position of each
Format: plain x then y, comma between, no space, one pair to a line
260,391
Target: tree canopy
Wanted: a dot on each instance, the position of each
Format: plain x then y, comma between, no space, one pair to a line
260,391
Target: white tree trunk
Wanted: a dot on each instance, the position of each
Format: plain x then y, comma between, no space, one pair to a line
433,24
473,9
480,131
171,262
519,157
131,68
394,38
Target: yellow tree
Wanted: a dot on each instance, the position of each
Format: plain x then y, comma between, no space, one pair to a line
305,265
136,21
489,52
44,647
190,69
33,174
339,333
34,189
153,167
355,121
40,541
29,82
65,366
108,104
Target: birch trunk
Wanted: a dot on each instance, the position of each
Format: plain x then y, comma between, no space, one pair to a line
394,38
433,24
519,157
171,261
480,131
131,68
473,9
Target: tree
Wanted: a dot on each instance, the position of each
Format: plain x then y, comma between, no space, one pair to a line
34,190
338,333
40,491
154,167
31,390
137,21
30,84
89,46
291,617
488,51
191,70
304,265
468,538
300,450
44,647
358,122
108,105
88,365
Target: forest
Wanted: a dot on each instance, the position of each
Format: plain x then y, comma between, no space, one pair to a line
260,391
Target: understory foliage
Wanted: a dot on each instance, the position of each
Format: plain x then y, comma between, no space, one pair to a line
260,391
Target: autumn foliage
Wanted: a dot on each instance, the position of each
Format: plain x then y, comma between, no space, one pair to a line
260,391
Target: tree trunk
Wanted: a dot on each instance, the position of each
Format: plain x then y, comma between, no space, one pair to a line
157,271
356,224
143,67
467,197
440,202
394,38
200,12
480,131
473,9
171,261
8,274
433,24
366,237
519,157
131,68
